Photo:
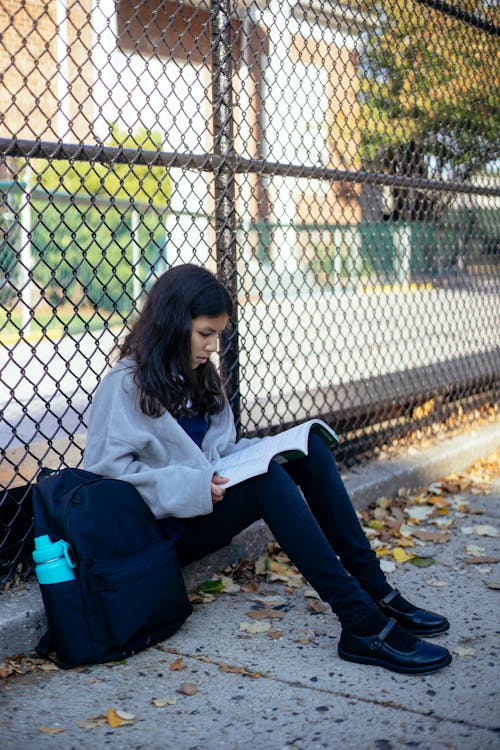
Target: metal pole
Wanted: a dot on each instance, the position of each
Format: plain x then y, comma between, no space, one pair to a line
224,189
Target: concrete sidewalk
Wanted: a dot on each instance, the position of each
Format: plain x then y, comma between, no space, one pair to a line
284,687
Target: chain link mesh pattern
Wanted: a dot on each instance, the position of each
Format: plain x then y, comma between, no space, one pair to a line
337,166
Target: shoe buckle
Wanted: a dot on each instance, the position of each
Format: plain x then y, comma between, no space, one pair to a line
375,643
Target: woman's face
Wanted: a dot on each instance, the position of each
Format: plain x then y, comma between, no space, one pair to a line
205,332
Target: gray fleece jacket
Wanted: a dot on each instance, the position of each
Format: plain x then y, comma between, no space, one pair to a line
154,453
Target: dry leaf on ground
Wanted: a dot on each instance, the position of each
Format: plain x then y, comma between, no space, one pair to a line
274,634
162,702
50,730
238,670
118,718
187,688
255,627
177,665
493,584
92,723
316,607
264,614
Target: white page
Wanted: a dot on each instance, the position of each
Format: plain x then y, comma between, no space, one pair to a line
255,459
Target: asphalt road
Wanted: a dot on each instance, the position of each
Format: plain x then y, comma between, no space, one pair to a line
286,344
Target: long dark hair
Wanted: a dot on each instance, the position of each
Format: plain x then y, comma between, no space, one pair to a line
159,342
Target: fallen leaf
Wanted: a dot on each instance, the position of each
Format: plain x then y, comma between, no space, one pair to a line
212,586
437,537
383,502
116,718
387,566
229,586
493,584
315,606
435,488
261,565
406,542
463,651
455,483
422,562
255,627
271,601
311,594
436,582
187,688
419,513
238,670
475,550
442,522
375,524
400,555
92,723
196,598
50,730
480,560
49,667
264,614
177,665
162,702
381,551
406,530
485,530
274,634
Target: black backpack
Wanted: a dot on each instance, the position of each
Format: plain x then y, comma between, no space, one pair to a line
129,591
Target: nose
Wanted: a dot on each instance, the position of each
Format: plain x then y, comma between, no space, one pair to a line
212,344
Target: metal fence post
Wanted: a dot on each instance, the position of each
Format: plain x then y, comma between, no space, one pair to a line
224,189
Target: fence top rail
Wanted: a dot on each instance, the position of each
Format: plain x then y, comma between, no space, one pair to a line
229,162
462,15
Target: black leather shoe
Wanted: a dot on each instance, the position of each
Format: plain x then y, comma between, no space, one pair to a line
419,622
418,657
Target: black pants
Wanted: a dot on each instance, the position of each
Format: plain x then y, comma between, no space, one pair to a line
323,537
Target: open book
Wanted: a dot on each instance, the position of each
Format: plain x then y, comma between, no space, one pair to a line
285,446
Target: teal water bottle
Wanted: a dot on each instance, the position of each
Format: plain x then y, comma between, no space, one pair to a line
53,561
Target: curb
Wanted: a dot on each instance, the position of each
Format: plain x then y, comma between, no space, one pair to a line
22,616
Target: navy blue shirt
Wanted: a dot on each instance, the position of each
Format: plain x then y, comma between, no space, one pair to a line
196,427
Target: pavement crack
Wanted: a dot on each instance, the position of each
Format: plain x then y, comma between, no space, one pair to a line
246,672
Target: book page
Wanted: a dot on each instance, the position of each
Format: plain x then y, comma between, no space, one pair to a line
255,459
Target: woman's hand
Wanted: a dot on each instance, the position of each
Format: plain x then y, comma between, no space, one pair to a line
216,487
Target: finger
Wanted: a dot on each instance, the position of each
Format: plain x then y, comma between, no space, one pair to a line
217,479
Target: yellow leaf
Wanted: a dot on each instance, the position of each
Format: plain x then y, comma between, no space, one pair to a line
375,524
381,551
400,555
118,718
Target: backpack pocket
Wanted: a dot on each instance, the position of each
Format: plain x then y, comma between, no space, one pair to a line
139,599
68,622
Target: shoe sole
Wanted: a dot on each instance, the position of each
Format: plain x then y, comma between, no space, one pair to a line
393,667
427,633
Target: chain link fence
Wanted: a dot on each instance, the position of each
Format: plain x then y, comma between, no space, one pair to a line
336,164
